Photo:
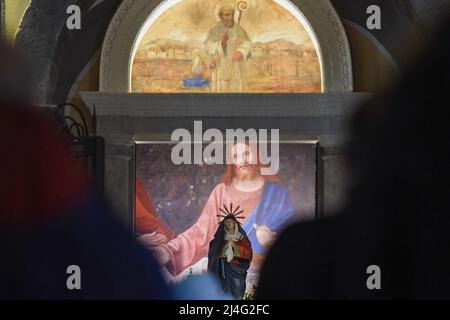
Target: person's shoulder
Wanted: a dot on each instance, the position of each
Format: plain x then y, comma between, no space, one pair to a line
220,187
217,27
327,229
276,185
215,32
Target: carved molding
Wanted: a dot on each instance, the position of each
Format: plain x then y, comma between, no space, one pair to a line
214,105
132,14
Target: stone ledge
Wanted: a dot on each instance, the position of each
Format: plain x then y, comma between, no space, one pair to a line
216,105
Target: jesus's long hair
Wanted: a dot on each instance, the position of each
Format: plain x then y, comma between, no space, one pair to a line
254,149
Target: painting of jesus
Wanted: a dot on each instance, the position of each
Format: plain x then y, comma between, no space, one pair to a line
189,198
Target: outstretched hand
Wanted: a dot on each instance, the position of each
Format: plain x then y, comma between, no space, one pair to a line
264,235
152,239
161,255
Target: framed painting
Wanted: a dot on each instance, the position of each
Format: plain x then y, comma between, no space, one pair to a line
178,206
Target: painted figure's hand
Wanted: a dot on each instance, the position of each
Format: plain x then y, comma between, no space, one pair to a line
162,255
152,239
237,56
264,235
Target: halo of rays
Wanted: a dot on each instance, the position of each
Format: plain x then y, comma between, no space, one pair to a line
229,212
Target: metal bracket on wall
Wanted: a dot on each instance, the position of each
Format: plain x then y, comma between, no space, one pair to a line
70,124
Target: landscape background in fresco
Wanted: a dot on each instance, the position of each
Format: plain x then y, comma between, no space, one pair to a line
283,58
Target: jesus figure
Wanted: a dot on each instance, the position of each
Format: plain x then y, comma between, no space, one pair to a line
266,209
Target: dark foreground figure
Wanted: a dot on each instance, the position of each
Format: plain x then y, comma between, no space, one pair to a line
398,211
50,219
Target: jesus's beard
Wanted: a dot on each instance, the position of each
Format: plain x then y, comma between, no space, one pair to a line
246,172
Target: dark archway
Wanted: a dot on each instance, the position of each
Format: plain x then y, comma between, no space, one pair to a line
60,54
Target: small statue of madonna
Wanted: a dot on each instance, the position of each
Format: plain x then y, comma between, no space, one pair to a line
230,253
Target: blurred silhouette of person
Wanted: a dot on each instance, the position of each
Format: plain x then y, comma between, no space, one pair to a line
397,213
49,217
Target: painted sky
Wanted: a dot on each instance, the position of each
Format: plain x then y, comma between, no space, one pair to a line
264,20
